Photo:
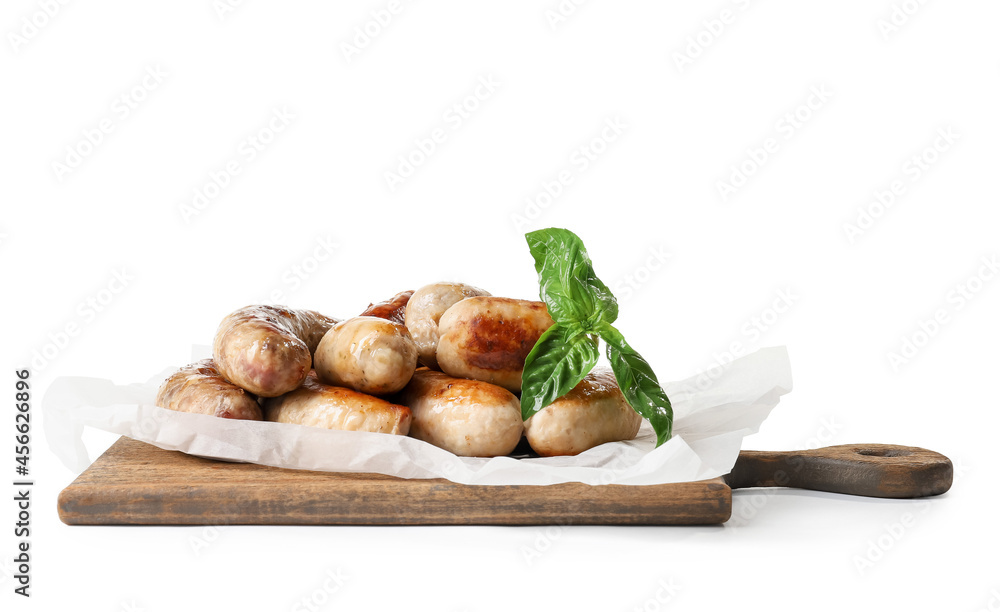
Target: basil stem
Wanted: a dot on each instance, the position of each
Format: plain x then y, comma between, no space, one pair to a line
583,309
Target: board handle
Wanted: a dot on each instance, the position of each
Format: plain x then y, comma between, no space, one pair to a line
872,470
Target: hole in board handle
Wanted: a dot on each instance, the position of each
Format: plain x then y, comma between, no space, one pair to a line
883,452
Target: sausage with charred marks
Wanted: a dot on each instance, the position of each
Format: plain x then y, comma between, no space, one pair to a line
393,309
200,389
267,350
424,310
470,418
488,338
592,413
317,405
367,354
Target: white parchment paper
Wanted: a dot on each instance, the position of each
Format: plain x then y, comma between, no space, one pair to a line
713,412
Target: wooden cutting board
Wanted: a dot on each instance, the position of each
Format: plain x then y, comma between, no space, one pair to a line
134,483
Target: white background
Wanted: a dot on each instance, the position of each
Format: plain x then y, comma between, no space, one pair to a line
652,188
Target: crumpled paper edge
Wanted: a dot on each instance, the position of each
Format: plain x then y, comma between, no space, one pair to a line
713,412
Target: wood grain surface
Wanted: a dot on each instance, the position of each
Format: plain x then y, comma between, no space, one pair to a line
871,470
134,483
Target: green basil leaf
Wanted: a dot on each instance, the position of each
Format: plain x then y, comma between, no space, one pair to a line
560,359
582,306
639,384
567,282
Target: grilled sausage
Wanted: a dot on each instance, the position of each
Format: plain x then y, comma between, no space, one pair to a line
424,310
267,350
393,309
467,417
592,413
318,405
199,388
487,338
367,354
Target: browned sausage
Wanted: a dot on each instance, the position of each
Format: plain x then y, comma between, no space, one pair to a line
470,418
199,388
488,338
592,413
318,405
424,310
268,350
367,354
393,309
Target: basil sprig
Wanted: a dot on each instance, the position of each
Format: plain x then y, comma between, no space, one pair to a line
583,309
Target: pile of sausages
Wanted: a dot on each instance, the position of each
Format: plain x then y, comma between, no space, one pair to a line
442,364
